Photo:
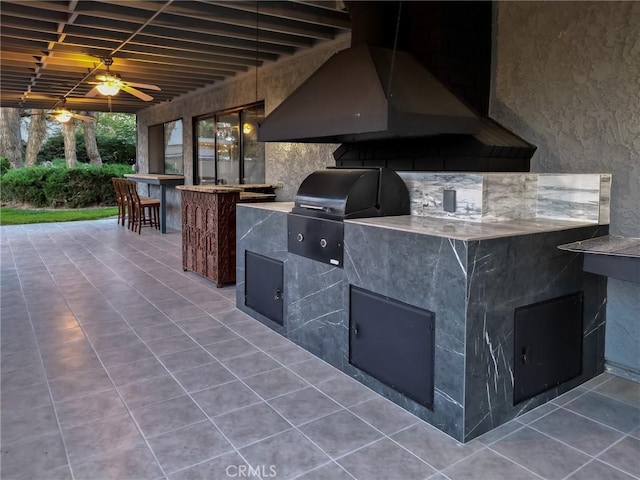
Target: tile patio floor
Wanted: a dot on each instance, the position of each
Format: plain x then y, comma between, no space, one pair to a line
116,364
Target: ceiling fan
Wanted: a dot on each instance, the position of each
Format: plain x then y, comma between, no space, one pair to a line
111,83
63,115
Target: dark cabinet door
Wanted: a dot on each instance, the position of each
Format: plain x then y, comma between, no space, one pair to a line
264,285
548,345
393,342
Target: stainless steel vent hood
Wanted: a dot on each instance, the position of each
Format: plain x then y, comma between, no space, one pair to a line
368,93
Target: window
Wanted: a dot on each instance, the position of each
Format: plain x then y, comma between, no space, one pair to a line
227,150
165,148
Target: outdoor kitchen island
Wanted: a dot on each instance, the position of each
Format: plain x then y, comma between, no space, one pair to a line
475,281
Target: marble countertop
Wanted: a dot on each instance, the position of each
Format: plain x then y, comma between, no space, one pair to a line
612,245
284,207
469,231
451,228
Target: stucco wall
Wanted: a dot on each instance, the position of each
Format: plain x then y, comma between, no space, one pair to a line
567,78
284,162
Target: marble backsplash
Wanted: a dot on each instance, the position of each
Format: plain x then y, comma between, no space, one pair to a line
486,197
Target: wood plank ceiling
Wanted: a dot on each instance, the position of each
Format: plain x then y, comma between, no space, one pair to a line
51,50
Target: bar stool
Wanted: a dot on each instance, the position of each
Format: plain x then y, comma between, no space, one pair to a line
143,211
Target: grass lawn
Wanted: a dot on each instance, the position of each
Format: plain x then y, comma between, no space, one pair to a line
20,216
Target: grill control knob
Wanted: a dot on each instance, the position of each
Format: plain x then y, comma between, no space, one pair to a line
323,243
300,237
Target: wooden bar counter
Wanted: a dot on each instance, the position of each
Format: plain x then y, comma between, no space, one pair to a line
209,228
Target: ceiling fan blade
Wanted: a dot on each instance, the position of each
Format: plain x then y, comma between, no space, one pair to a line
84,118
143,85
92,93
137,93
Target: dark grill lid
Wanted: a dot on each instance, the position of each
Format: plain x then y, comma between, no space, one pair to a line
340,193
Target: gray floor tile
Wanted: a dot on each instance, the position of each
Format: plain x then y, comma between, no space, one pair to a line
315,371
33,459
268,340
123,339
609,411
187,446
250,424
537,413
625,455
287,454
249,327
63,367
196,324
540,454
621,389
89,408
345,390
224,398
486,464
25,424
384,460
340,433
230,348
434,447
169,415
577,431
231,317
80,385
224,466
148,334
305,405
22,377
569,396
384,415
25,398
499,433
213,335
100,436
599,471
204,376
133,462
186,359
275,382
154,390
251,364
123,355
177,343
136,371
328,471
289,354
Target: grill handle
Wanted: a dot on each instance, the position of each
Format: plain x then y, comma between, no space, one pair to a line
312,207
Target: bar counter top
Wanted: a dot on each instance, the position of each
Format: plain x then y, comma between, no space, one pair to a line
613,245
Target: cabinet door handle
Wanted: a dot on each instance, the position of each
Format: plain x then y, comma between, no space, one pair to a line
356,331
278,295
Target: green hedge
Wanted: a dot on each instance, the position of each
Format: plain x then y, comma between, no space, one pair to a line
113,150
84,186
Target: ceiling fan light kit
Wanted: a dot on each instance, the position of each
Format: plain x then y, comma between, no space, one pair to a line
63,116
108,88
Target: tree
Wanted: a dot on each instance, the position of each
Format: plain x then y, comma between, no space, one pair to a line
10,140
90,142
69,134
37,134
